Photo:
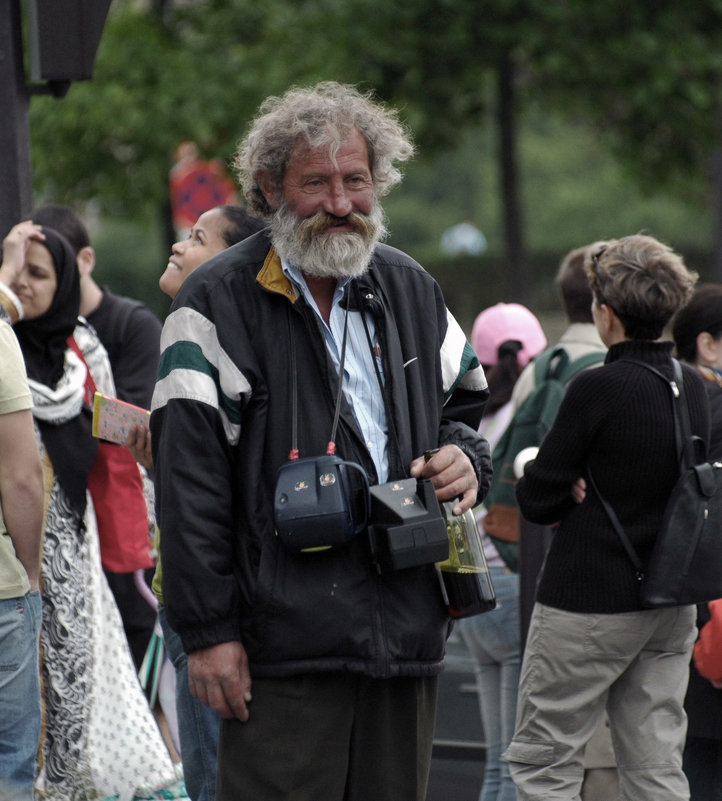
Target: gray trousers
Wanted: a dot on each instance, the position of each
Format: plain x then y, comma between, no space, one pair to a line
634,664
330,737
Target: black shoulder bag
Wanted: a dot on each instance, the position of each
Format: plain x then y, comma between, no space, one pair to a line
686,562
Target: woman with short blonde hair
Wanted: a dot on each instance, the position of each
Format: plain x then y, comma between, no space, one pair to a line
591,645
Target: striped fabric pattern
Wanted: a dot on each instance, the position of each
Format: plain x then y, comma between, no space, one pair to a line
460,366
194,366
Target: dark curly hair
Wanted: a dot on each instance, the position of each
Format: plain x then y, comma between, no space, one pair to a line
702,313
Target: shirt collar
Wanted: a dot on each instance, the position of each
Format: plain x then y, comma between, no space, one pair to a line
295,275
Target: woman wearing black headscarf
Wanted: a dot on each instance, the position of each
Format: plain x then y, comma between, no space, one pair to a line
100,736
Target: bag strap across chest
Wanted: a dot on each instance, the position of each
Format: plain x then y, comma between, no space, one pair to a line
685,451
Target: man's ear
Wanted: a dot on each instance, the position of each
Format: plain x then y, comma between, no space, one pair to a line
269,191
86,261
707,347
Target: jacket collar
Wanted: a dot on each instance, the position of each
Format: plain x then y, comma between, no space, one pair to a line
272,277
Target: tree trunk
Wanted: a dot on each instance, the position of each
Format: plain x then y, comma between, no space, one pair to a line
170,237
518,280
717,194
15,172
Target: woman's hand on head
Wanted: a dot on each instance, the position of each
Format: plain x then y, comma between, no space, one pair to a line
15,249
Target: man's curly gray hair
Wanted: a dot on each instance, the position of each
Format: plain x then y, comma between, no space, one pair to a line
322,115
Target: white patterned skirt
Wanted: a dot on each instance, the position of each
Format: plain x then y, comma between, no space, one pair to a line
100,737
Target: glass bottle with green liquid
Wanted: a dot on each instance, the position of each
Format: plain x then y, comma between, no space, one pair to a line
465,575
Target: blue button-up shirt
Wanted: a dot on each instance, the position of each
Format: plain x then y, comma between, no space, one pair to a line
360,383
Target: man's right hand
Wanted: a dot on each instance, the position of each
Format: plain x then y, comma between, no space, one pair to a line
219,677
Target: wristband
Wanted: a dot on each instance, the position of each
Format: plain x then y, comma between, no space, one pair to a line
9,299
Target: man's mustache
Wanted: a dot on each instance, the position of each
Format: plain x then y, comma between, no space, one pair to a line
320,222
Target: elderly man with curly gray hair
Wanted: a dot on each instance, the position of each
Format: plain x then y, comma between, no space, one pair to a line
311,339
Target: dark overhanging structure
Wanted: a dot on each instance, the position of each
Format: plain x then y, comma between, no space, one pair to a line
62,39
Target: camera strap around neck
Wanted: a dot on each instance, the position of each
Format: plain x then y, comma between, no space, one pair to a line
331,447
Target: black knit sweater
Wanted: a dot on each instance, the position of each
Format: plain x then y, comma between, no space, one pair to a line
618,421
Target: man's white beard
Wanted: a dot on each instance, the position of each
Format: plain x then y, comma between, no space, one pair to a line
304,244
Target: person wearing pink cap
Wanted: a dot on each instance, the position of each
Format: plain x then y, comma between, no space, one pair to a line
505,337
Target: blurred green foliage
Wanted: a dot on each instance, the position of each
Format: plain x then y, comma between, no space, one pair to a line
575,192
618,108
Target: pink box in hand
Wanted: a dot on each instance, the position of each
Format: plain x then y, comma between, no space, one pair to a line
113,418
